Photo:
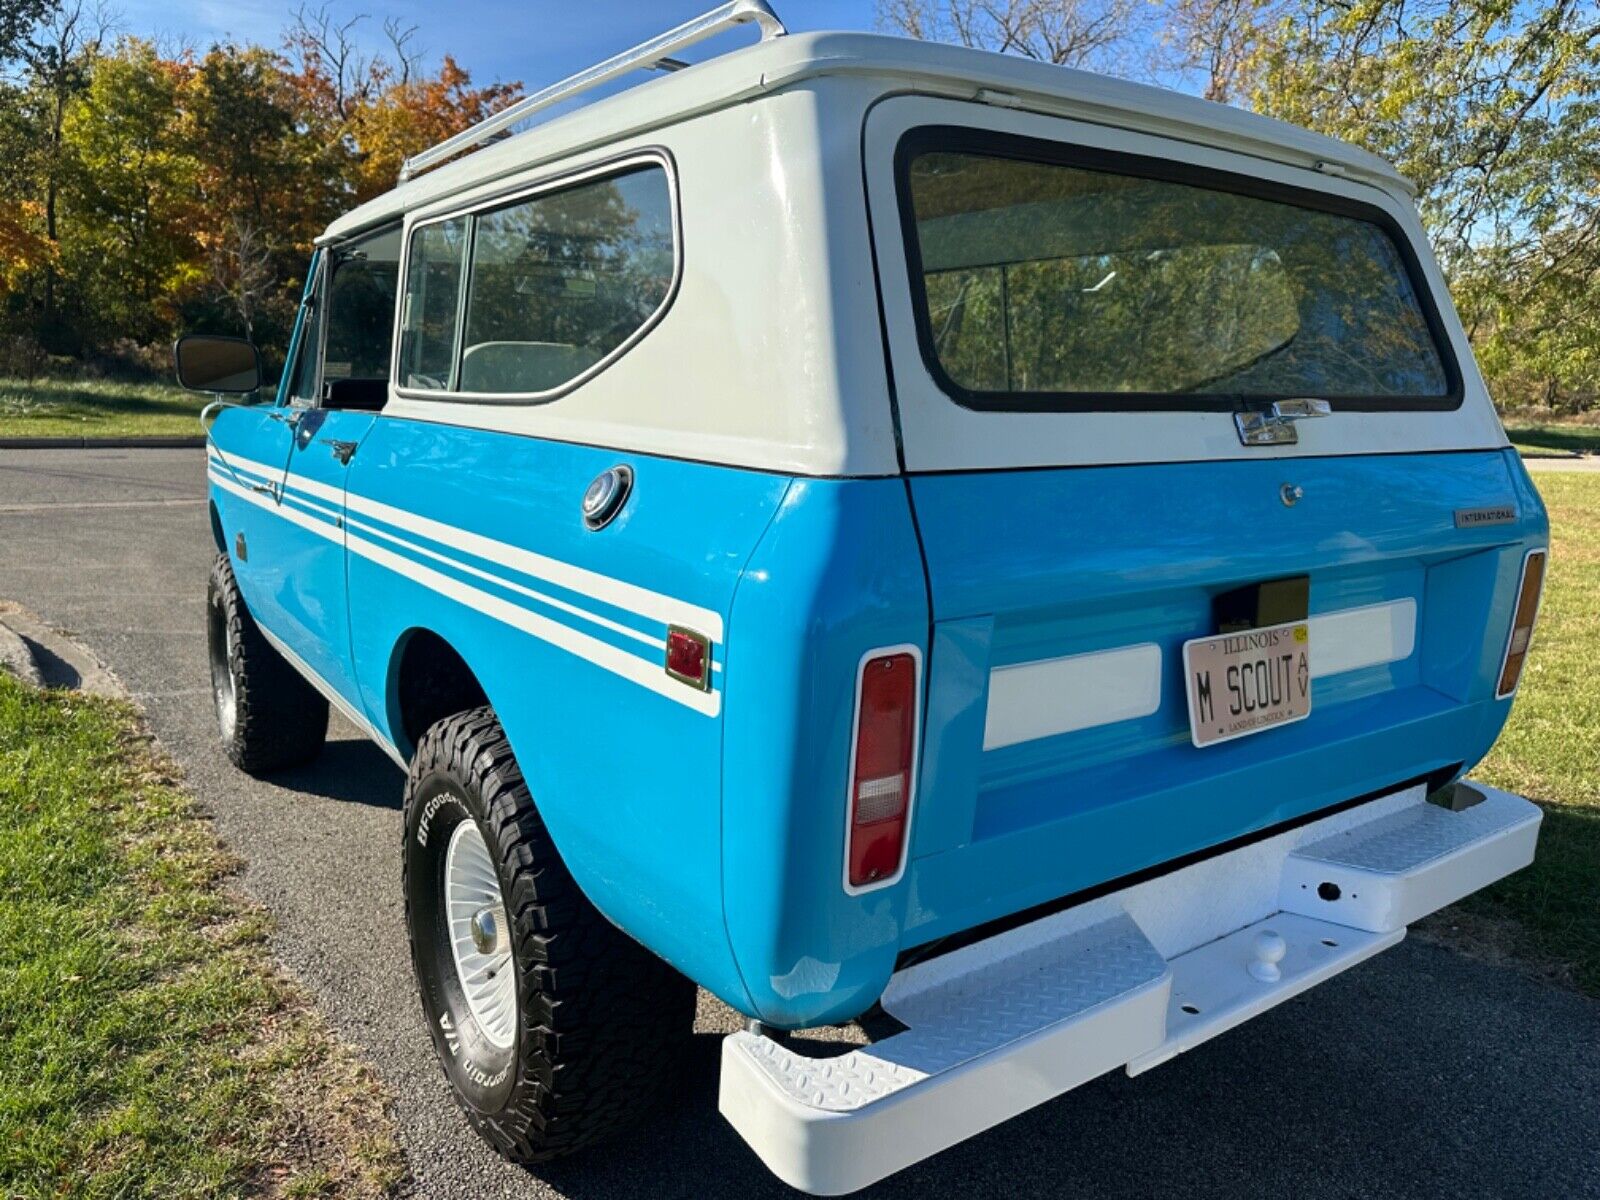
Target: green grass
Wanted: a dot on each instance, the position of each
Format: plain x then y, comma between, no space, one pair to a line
1550,750
96,408
148,1045
1553,438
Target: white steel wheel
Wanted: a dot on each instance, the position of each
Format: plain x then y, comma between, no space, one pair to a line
480,937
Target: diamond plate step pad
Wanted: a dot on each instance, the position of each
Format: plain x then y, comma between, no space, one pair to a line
1416,836
957,1022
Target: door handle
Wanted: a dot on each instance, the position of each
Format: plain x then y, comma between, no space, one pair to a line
343,451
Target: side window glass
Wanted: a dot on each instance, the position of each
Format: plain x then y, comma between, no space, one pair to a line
359,316
561,280
433,293
361,288
554,284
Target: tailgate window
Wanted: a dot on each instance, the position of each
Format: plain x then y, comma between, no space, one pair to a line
1054,278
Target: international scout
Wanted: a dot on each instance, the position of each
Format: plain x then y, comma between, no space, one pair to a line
885,533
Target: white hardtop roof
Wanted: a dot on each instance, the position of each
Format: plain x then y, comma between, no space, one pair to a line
903,65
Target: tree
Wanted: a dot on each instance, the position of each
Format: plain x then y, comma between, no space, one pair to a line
1211,45
128,194
243,271
1493,111
54,58
1092,34
380,108
18,18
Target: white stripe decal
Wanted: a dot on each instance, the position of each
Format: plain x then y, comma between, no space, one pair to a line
1033,700
489,576
292,515
631,597
602,654
1353,638
1062,695
615,627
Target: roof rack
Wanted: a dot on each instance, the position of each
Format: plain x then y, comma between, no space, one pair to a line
656,53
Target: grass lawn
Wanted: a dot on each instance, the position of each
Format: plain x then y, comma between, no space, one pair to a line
97,408
1553,437
148,1045
1550,751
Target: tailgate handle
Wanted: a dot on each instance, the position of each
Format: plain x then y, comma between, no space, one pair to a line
1274,426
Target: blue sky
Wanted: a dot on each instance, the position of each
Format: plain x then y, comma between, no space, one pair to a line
535,41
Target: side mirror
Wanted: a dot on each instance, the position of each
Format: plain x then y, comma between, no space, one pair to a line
208,363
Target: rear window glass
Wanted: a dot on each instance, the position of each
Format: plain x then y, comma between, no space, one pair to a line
554,284
1045,284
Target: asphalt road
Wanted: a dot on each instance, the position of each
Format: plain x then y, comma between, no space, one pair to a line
1421,1073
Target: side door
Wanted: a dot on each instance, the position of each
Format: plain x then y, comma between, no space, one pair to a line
248,452
337,401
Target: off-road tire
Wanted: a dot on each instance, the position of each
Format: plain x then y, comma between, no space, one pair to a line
602,1024
268,715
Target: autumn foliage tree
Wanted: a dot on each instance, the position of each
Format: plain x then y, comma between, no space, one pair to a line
1491,108
149,191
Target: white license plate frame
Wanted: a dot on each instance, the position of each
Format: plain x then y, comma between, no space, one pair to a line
1271,687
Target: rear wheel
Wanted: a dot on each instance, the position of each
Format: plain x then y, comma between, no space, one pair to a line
553,1027
269,717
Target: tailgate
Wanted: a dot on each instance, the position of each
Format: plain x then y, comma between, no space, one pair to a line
1058,751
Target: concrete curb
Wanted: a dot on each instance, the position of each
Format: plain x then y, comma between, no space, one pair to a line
175,442
16,656
49,658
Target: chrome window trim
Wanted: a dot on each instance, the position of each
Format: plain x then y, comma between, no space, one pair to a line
315,296
621,165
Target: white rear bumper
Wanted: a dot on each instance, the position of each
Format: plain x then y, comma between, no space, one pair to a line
1131,979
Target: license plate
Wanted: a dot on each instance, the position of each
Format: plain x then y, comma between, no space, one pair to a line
1243,683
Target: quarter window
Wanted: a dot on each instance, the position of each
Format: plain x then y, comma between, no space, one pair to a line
433,295
554,285
1049,284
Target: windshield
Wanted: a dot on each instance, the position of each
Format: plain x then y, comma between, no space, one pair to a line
1047,284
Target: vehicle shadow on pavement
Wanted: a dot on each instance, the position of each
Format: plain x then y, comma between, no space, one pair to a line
354,771
1420,1074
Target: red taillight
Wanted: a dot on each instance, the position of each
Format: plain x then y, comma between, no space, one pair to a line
1522,624
881,776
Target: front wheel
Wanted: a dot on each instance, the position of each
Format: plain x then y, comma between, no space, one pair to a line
269,717
553,1028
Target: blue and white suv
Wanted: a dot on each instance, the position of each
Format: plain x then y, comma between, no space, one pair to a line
879,530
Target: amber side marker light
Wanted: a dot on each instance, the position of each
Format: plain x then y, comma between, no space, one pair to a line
1521,638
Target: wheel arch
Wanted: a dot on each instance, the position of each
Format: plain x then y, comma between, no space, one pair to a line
429,679
217,535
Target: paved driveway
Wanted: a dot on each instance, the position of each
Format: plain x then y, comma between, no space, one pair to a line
1422,1073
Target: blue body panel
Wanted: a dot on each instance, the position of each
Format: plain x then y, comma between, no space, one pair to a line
627,778
1134,554
837,575
710,825
313,569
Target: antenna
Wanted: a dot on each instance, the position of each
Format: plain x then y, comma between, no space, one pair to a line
657,52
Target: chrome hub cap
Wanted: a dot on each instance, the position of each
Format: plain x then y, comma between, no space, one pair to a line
478,935
486,935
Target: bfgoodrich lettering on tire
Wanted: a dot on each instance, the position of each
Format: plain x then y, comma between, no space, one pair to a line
553,1028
